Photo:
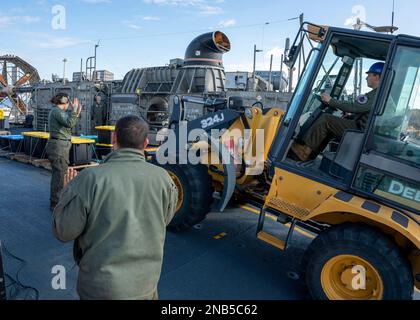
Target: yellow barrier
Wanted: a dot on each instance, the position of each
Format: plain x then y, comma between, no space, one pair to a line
108,128
77,140
46,135
36,134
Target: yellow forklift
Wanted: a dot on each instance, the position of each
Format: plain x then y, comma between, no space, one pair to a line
360,195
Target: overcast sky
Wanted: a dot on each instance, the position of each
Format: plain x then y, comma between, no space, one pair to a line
145,33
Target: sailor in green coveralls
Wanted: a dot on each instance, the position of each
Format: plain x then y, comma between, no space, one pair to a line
61,121
328,125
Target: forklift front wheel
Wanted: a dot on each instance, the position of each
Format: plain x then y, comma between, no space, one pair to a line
195,195
357,262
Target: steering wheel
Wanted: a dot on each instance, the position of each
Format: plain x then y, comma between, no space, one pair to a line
323,105
323,108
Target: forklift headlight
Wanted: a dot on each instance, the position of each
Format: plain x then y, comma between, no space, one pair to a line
248,113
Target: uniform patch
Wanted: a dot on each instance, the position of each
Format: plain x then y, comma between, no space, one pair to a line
362,99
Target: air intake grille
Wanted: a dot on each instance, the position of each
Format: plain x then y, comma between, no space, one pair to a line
288,207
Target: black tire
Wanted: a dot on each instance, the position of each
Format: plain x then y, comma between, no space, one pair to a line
197,190
367,243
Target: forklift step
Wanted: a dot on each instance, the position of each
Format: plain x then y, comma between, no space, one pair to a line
270,239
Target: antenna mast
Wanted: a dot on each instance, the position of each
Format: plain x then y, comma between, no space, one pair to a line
393,16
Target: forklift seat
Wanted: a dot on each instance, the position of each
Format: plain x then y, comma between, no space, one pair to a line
342,163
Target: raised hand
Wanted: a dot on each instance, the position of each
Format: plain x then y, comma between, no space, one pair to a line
75,103
77,107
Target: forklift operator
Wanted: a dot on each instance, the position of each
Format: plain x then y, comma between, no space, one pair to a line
329,126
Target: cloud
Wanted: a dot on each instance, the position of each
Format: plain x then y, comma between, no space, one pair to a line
202,6
262,61
47,41
227,23
176,2
276,52
132,24
97,1
17,10
150,18
28,19
265,63
7,21
209,10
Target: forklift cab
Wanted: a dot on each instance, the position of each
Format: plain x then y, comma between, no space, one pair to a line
383,160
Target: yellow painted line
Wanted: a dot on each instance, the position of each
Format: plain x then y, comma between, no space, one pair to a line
258,212
250,209
270,216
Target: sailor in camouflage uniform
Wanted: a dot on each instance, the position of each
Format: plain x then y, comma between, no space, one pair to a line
329,126
99,112
61,121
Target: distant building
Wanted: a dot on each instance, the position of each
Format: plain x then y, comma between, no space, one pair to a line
57,78
244,81
176,62
104,75
100,75
278,82
79,76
